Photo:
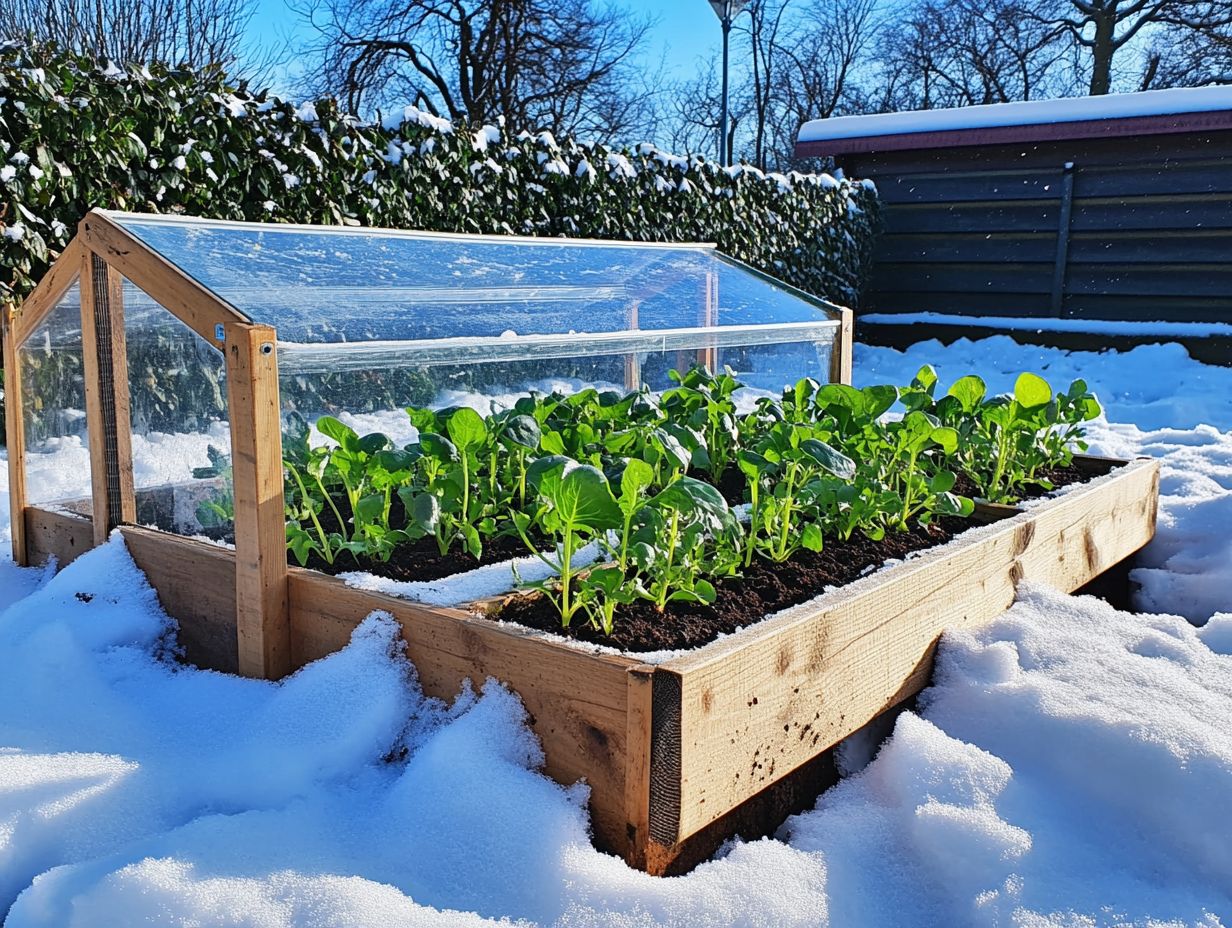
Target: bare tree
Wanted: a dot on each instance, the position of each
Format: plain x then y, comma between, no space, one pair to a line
182,32
563,65
968,52
1105,29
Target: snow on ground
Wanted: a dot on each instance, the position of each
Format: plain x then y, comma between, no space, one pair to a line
1070,766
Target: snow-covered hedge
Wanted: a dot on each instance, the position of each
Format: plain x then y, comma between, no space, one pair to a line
74,135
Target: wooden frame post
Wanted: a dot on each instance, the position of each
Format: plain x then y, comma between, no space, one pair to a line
263,626
840,351
105,362
14,435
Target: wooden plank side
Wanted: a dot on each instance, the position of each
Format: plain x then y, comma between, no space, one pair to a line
759,704
195,581
577,700
263,624
638,728
14,436
49,291
52,533
196,306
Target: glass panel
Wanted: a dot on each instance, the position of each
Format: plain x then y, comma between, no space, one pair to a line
372,398
181,435
329,285
54,410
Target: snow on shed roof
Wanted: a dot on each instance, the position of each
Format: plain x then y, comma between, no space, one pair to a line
1072,117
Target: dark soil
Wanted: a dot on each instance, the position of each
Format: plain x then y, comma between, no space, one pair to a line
1059,476
420,561
764,588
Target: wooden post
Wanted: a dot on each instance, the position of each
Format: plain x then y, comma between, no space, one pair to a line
263,625
840,351
1061,265
105,363
14,436
709,357
633,367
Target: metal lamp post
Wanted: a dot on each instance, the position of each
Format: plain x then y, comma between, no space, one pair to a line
726,10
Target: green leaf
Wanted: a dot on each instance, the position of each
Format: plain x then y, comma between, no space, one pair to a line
523,431
341,433
1032,391
581,497
947,438
829,458
467,429
969,391
811,537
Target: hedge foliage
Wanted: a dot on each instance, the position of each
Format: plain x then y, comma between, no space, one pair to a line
76,135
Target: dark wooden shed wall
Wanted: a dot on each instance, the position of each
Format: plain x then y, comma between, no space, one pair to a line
984,230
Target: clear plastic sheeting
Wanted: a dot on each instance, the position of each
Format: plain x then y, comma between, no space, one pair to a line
181,437
345,284
52,364
373,320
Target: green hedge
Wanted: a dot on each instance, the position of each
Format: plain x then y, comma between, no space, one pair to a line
76,135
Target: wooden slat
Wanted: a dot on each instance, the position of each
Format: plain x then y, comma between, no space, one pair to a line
1169,280
1158,213
263,625
639,719
985,216
1148,308
577,701
949,187
955,302
57,534
974,278
195,581
49,291
1194,247
957,246
193,304
14,436
760,703
1209,175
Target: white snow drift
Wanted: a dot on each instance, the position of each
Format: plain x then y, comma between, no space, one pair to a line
1070,766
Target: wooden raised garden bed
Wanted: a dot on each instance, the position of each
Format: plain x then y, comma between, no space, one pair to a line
677,754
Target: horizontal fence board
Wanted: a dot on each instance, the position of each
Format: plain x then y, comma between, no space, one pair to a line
967,247
984,216
1128,180
1157,213
1148,309
1195,247
960,303
953,187
976,278
1159,280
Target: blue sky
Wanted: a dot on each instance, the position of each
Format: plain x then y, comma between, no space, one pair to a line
686,30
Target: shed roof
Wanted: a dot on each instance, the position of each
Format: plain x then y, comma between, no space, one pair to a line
1186,109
